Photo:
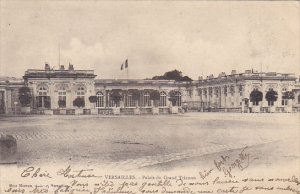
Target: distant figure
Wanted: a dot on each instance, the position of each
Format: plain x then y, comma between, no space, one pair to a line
185,108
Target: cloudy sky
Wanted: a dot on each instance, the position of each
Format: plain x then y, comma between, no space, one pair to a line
194,37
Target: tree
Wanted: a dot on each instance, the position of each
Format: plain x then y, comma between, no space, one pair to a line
93,99
172,97
25,96
173,75
288,95
61,103
271,96
136,94
256,96
155,96
79,102
115,96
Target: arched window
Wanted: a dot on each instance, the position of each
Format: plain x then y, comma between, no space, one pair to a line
100,100
146,99
163,99
178,98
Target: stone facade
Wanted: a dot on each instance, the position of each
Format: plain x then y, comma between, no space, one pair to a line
54,92
232,92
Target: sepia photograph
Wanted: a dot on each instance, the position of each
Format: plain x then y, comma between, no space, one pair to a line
129,97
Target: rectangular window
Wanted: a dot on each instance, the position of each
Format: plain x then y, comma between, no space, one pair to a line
270,103
284,102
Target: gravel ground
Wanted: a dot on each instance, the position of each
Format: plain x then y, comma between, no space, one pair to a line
153,142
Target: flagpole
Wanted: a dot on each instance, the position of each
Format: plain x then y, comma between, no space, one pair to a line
127,68
58,56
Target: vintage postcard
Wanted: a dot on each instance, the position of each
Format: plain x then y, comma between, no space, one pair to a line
130,97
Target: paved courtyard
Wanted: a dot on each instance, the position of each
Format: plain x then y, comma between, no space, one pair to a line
163,141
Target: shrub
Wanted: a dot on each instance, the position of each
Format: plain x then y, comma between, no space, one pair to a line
25,96
93,99
115,96
79,102
271,95
61,103
288,95
256,96
135,94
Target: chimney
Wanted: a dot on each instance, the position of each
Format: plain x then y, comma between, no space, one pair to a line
47,66
233,72
200,78
62,67
71,67
222,74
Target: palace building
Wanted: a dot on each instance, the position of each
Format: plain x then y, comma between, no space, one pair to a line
70,91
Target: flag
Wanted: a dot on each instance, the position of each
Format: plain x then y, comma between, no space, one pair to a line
126,63
122,67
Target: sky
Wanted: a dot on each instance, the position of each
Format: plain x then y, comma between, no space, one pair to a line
195,37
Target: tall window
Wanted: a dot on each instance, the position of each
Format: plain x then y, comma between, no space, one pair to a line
217,92
146,99
210,91
80,92
225,90
112,102
205,93
62,97
129,101
284,102
231,90
270,103
241,90
100,100
190,93
163,99
178,98
299,99
42,97
199,92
